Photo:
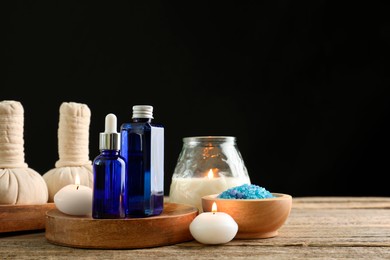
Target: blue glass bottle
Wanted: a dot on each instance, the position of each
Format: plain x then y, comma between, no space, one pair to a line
142,143
109,173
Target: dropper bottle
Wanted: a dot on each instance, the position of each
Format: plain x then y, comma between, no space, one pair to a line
109,173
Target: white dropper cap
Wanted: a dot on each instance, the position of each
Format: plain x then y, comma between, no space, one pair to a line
110,126
142,111
110,139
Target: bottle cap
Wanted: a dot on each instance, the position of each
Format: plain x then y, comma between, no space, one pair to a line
110,139
142,111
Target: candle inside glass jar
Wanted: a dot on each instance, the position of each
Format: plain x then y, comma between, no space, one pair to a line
74,199
191,190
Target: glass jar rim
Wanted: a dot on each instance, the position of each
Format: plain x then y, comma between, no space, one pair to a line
209,139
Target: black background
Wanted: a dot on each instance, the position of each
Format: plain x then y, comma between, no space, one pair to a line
303,86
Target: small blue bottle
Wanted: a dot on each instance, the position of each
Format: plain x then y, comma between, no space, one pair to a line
109,173
142,143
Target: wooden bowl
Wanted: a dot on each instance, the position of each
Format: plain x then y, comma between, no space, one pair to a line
256,218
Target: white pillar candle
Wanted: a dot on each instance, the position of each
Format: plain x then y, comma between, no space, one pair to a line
191,190
213,227
74,199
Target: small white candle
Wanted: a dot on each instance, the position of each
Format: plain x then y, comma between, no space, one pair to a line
191,190
213,227
74,199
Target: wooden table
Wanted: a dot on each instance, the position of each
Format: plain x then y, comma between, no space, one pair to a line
317,228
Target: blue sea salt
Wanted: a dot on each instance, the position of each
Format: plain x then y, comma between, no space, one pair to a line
246,191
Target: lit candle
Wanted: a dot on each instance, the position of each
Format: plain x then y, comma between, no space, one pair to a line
191,190
213,227
74,199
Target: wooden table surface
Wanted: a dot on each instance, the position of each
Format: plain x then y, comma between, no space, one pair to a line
317,228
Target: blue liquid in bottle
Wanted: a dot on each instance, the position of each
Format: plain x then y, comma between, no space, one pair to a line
142,143
109,173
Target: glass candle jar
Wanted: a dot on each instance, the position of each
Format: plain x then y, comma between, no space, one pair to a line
206,165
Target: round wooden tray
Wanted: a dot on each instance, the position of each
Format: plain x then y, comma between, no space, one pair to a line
171,227
23,217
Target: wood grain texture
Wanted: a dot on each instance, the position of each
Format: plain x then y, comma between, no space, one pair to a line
23,217
171,227
342,202
341,231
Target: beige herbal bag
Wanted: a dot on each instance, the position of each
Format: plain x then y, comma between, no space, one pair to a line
19,184
73,149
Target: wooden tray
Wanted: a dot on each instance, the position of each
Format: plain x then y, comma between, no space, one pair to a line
23,217
171,227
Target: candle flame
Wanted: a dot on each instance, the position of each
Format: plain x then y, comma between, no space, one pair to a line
214,208
77,181
210,175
